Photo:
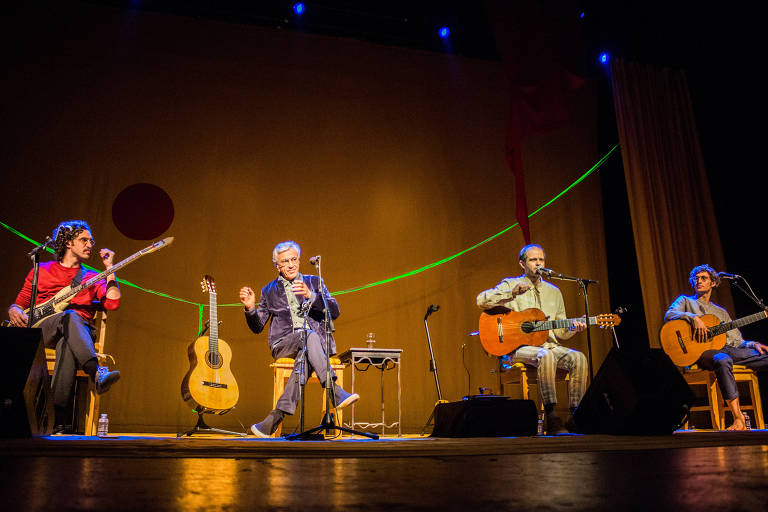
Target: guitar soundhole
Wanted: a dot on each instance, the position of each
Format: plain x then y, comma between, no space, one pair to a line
526,327
214,359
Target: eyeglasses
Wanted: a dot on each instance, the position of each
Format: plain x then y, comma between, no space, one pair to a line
85,240
286,261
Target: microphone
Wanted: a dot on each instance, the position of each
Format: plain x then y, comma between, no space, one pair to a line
431,309
315,260
305,307
726,275
543,271
48,241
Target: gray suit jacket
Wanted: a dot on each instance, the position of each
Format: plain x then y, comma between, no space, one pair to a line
273,305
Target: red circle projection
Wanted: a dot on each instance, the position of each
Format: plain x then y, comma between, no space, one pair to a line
142,211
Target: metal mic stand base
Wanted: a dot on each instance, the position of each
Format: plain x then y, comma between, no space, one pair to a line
203,428
327,425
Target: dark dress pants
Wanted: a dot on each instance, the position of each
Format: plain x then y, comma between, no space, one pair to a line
72,338
290,346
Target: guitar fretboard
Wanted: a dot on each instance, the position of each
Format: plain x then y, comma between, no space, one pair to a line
213,325
112,270
735,324
561,324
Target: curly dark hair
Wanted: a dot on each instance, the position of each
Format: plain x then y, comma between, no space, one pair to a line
65,232
704,268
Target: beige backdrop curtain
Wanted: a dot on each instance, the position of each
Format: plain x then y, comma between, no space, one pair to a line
381,159
669,197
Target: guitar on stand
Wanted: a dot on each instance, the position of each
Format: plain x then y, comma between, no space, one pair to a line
209,385
682,347
502,333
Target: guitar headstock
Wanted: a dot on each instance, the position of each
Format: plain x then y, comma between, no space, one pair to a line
208,284
607,320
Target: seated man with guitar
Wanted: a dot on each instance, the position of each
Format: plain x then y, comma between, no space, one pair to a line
702,332
283,302
70,331
523,294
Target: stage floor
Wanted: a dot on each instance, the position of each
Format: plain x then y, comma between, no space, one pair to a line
688,470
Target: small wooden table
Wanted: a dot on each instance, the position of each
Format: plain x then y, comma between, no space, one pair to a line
361,359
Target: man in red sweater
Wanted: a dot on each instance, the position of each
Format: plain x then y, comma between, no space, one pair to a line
70,332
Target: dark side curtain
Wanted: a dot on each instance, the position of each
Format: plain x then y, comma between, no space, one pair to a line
669,197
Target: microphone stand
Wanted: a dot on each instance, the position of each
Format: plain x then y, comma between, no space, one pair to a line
34,254
749,293
583,283
301,367
432,366
327,424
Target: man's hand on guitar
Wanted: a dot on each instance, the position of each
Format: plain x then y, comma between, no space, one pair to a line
247,297
578,325
17,316
699,329
761,349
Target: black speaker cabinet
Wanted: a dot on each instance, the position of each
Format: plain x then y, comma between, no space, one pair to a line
26,408
635,393
485,416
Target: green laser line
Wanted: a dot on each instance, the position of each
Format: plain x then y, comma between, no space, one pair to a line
449,258
426,267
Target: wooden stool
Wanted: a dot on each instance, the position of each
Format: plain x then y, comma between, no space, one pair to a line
518,374
281,372
94,400
716,406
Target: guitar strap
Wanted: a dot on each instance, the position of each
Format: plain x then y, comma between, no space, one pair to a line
78,277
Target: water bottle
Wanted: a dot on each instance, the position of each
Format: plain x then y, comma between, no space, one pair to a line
540,428
370,339
103,428
747,421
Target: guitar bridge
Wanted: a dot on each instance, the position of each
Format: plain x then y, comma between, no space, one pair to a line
500,330
214,384
681,342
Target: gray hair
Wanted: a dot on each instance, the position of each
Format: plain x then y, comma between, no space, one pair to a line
284,246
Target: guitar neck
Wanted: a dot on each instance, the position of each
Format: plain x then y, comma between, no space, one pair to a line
117,266
213,324
735,324
562,324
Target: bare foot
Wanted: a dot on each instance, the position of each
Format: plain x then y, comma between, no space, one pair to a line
738,424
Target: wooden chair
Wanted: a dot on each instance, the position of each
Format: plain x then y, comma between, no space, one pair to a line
281,372
92,409
518,374
716,406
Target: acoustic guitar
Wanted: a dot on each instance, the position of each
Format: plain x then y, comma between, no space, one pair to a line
61,300
209,385
684,349
502,333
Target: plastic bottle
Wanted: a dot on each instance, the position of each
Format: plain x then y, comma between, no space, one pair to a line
103,428
540,428
370,339
747,421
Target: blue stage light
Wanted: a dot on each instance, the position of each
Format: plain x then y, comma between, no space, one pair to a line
581,15
604,58
444,32
298,8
